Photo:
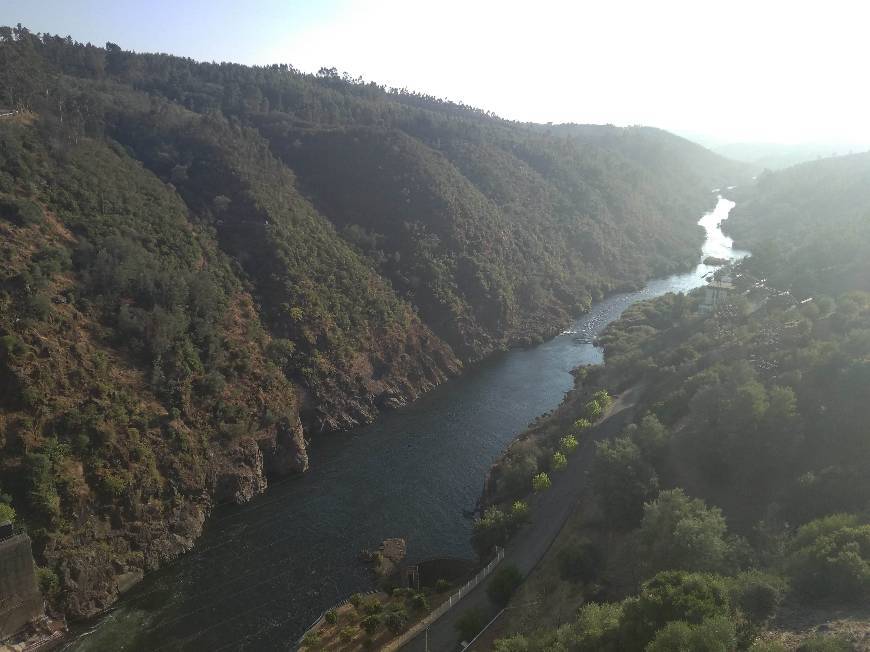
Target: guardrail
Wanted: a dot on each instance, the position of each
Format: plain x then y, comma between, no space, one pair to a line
444,607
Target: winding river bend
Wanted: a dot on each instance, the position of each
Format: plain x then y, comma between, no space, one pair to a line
263,571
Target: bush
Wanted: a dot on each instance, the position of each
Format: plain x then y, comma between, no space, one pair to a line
622,480
515,643
830,557
311,640
503,584
757,596
559,461
597,628
519,513
331,617
579,561
370,624
592,410
603,399
7,513
347,634
825,644
21,212
541,482
568,444
48,582
681,532
670,596
356,600
420,602
712,635
470,624
581,424
371,605
396,620
441,586
490,530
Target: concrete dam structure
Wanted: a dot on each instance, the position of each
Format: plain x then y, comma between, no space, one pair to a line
20,599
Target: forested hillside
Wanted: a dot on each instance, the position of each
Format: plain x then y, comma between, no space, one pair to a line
733,514
201,263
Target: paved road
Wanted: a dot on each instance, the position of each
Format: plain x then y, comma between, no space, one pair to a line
549,510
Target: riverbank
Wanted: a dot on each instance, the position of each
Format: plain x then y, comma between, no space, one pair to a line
292,553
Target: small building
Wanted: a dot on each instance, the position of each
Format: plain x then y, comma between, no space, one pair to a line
7,113
715,294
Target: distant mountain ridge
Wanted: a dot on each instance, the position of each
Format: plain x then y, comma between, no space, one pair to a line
204,263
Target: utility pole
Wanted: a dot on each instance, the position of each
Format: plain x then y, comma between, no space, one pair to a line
427,638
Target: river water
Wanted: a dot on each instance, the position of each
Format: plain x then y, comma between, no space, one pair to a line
262,572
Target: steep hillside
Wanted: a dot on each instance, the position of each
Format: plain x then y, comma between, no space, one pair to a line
812,221
733,513
203,262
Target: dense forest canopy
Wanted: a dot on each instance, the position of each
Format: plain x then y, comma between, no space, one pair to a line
742,484
203,262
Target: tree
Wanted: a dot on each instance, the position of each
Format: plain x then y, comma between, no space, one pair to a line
541,482
470,623
830,557
711,635
503,584
756,596
371,624
672,596
568,444
7,513
678,532
598,628
580,561
621,480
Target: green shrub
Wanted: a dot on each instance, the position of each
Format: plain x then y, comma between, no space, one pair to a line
756,596
579,561
681,532
711,635
347,634
396,620
371,605
541,482
356,600
592,410
670,596
470,623
568,444
559,461
21,212
49,583
311,640
821,643
331,617
519,513
420,602
504,582
490,530
7,513
371,624
830,557
442,585
581,424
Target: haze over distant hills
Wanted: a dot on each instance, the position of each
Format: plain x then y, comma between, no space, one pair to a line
776,156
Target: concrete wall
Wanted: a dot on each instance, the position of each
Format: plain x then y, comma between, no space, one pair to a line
20,599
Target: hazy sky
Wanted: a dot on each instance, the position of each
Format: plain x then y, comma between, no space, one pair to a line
761,70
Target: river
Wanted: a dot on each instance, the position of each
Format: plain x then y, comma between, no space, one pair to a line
262,572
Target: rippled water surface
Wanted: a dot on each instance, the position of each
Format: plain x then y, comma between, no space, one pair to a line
263,571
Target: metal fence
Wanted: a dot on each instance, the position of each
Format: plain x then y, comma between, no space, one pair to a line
445,606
